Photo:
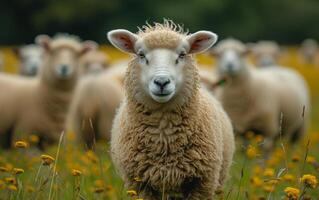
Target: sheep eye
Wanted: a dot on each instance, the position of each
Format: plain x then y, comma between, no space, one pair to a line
182,55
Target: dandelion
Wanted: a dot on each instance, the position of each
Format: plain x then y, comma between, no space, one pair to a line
34,139
269,172
251,152
21,144
311,160
17,171
131,193
309,180
256,181
10,180
259,138
288,177
99,183
47,160
76,172
295,158
292,193
12,188
4,169
268,188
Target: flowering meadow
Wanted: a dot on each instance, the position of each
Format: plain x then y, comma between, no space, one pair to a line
69,171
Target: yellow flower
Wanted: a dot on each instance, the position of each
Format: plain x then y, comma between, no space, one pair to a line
249,135
295,158
251,152
137,179
2,185
34,139
99,183
30,189
4,169
269,172
268,188
21,144
292,193
131,193
311,159
289,177
259,138
76,172
91,156
309,180
258,170
10,180
17,171
256,181
47,160
12,188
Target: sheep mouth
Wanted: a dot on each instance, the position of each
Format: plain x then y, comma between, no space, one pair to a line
162,94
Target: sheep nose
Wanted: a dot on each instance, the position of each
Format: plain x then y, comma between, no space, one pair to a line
64,68
162,81
230,67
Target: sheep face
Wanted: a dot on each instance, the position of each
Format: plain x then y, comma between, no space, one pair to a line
93,62
31,57
162,66
62,55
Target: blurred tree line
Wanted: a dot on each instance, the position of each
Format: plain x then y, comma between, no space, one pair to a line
286,21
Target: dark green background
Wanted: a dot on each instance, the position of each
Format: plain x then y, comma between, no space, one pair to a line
287,21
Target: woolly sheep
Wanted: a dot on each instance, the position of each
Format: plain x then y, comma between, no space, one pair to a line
31,58
265,53
169,133
309,51
94,62
255,98
93,108
39,105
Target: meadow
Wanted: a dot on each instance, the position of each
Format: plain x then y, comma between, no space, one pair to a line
68,171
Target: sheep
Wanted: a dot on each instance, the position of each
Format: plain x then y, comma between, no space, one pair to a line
31,58
1,61
39,105
266,53
268,101
308,52
170,134
93,107
94,62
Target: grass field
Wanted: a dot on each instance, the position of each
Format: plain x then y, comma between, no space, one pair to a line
66,171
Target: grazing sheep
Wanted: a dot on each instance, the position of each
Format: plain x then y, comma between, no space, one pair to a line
39,105
255,98
169,133
31,58
309,51
94,62
93,108
265,53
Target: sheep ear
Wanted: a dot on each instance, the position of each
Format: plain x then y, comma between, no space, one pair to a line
43,41
201,41
123,40
89,45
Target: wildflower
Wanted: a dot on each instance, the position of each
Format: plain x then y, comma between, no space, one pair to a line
91,156
137,179
12,188
17,171
76,172
34,139
257,170
99,183
10,180
4,169
30,189
98,190
309,180
256,181
289,177
21,144
311,160
268,188
292,193
131,193
295,158
2,185
269,172
47,160
259,138
251,152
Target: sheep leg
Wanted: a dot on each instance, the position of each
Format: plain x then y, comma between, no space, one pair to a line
202,190
7,139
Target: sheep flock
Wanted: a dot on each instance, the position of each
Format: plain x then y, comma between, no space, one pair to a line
181,115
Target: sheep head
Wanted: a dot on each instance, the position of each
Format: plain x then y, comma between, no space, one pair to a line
163,60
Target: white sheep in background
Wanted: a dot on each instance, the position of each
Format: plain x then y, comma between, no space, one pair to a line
169,133
39,105
94,62
265,53
31,58
255,98
93,108
309,52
